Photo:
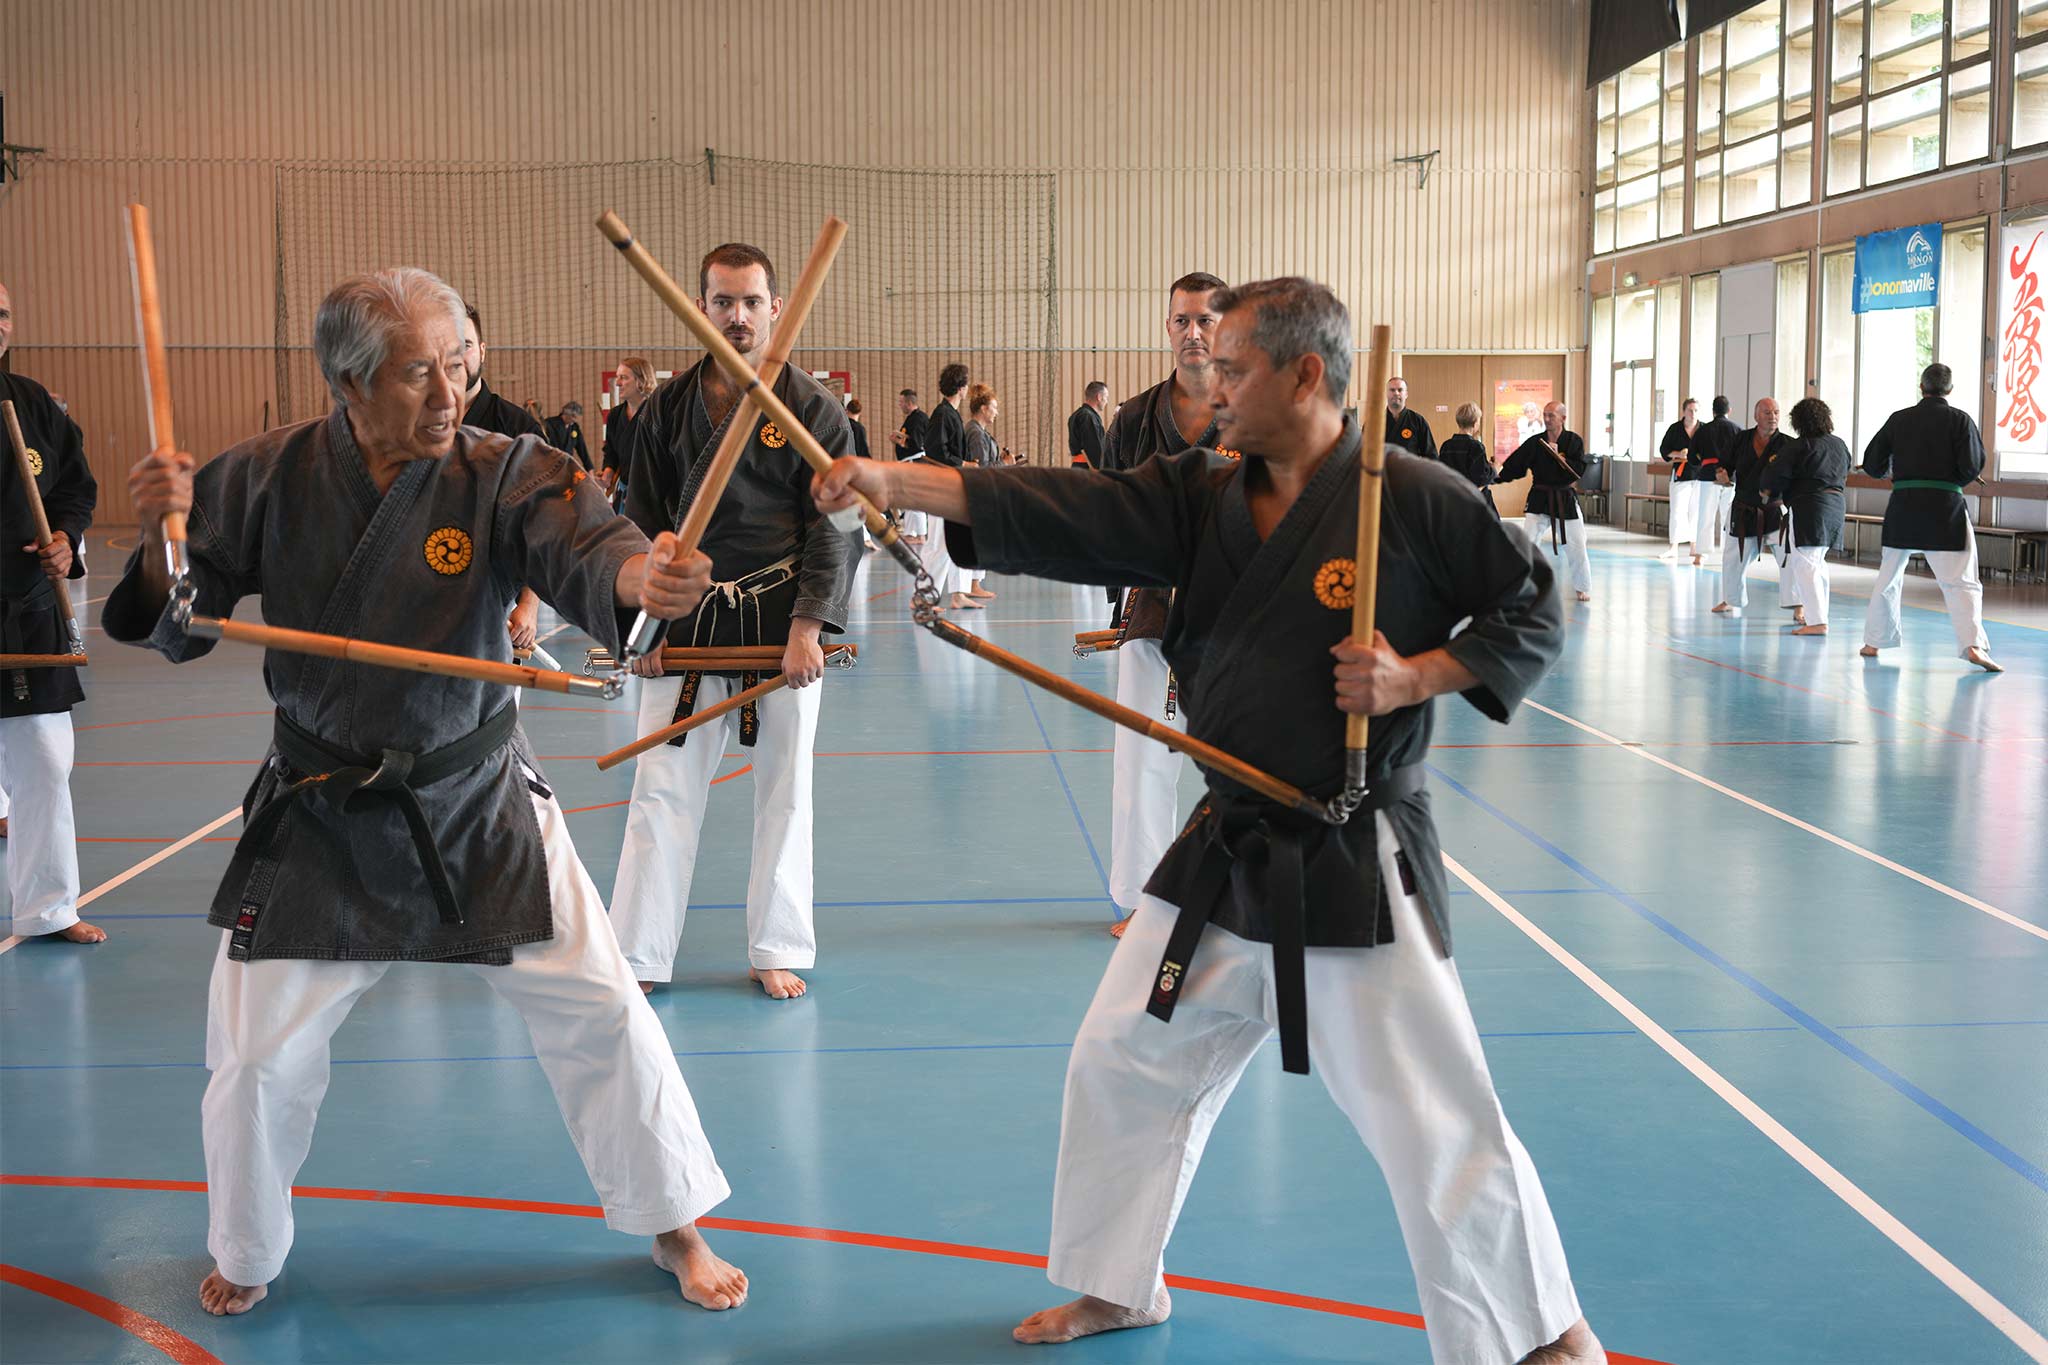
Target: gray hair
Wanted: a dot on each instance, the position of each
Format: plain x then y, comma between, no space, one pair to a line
1293,316
352,332
1937,381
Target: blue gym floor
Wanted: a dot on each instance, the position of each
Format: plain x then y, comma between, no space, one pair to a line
1820,1045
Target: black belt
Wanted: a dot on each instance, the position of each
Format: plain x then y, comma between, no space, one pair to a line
1253,831
341,776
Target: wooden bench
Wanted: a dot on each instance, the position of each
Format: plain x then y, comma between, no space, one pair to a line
1650,526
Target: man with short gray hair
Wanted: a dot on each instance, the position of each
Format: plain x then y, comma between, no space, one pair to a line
402,816
1930,452
1336,935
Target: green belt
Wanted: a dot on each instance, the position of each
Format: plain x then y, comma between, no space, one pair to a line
1926,483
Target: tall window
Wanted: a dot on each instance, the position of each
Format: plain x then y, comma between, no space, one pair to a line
1639,153
1666,385
1754,148
1704,355
2030,75
1909,87
1789,380
1600,378
1870,363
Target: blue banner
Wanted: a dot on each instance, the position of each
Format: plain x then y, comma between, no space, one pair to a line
1898,269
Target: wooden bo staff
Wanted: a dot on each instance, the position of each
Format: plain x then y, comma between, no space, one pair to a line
646,632
1084,648
43,661
887,535
156,372
1372,461
43,537
398,657
662,736
733,658
726,358
1094,637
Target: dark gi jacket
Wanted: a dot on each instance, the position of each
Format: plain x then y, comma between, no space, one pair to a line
1810,476
1084,434
1410,432
432,563
1249,636
30,622
1930,452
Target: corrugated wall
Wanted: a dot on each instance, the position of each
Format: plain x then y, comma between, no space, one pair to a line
1244,139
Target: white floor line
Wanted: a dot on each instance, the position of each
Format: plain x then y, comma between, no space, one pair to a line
1962,897
11,941
2015,1328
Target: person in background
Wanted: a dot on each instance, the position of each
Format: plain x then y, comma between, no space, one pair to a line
1754,516
565,432
1710,445
1405,427
1684,507
860,429
632,384
984,453
908,439
1465,453
1811,478
1087,424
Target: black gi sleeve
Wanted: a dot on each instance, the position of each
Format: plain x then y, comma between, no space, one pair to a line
1877,456
1493,574
830,556
70,501
1132,528
223,544
1968,450
559,535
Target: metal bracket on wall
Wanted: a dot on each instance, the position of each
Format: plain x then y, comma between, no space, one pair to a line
11,154
1421,161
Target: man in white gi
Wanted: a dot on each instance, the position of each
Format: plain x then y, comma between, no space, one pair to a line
784,577
401,816
35,703
1171,416
1930,452
1257,918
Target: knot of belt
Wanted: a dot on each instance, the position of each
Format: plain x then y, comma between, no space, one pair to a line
1249,830
344,779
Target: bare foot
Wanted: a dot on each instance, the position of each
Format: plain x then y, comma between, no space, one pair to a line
1723,607
706,1280
1809,630
981,593
1868,651
1982,659
778,984
647,988
1578,1346
1585,597
963,602
1117,930
224,1298
1696,561
1799,616
3,827
82,932
1086,1316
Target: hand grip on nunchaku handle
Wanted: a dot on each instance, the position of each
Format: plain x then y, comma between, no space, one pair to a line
156,382
1372,468
722,354
75,637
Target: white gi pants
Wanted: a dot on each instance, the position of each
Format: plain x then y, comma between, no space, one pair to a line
1712,518
1145,781
1393,1042
1572,531
42,841
913,524
672,786
1738,553
1683,522
630,1114
1954,570
947,577
1807,567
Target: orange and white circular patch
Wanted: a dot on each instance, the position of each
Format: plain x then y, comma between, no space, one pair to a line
448,550
771,437
1337,584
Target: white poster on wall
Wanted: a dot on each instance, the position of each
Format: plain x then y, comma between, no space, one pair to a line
2020,435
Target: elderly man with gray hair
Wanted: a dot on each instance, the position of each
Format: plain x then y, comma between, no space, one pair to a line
401,816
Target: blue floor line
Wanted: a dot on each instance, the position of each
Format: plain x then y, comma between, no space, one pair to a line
1054,754
992,1047
2019,1165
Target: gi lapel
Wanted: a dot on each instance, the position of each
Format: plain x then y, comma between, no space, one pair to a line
361,575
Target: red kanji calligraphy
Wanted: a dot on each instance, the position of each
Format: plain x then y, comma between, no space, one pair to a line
2023,416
